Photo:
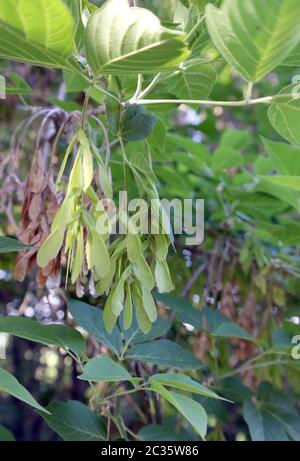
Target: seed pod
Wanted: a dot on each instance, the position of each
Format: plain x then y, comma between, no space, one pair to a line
109,318
162,277
50,248
78,259
87,168
76,177
98,253
117,302
141,316
103,285
149,305
161,247
104,180
67,154
128,308
134,247
64,215
143,273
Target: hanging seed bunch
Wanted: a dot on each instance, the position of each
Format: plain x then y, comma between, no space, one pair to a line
74,225
38,210
128,267
139,259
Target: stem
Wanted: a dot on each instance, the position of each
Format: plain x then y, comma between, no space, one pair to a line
135,436
150,86
85,108
242,369
125,162
248,92
120,394
80,364
215,357
251,102
108,428
107,93
106,137
119,425
194,29
138,88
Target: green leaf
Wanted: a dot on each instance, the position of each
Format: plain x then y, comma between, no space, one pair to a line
75,422
284,114
184,310
10,385
137,124
184,383
289,234
293,59
191,410
165,353
273,417
76,7
198,37
254,36
140,43
91,319
157,433
51,335
40,33
136,336
194,80
291,182
230,329
199,151
235,139
20,85
225,157
113,114
234,389
233,330
157,138
285,157
284,194
103,368
11,245
6,435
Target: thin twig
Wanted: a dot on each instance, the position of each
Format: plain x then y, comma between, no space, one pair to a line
251,102
192,280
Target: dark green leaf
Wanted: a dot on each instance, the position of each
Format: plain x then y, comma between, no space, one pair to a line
184,383
164,353
6,435
52,335
137,124
103,368
273,417
10,385
75,422
10,245
91,319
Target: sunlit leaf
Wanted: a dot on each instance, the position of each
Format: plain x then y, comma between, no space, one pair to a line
140,43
